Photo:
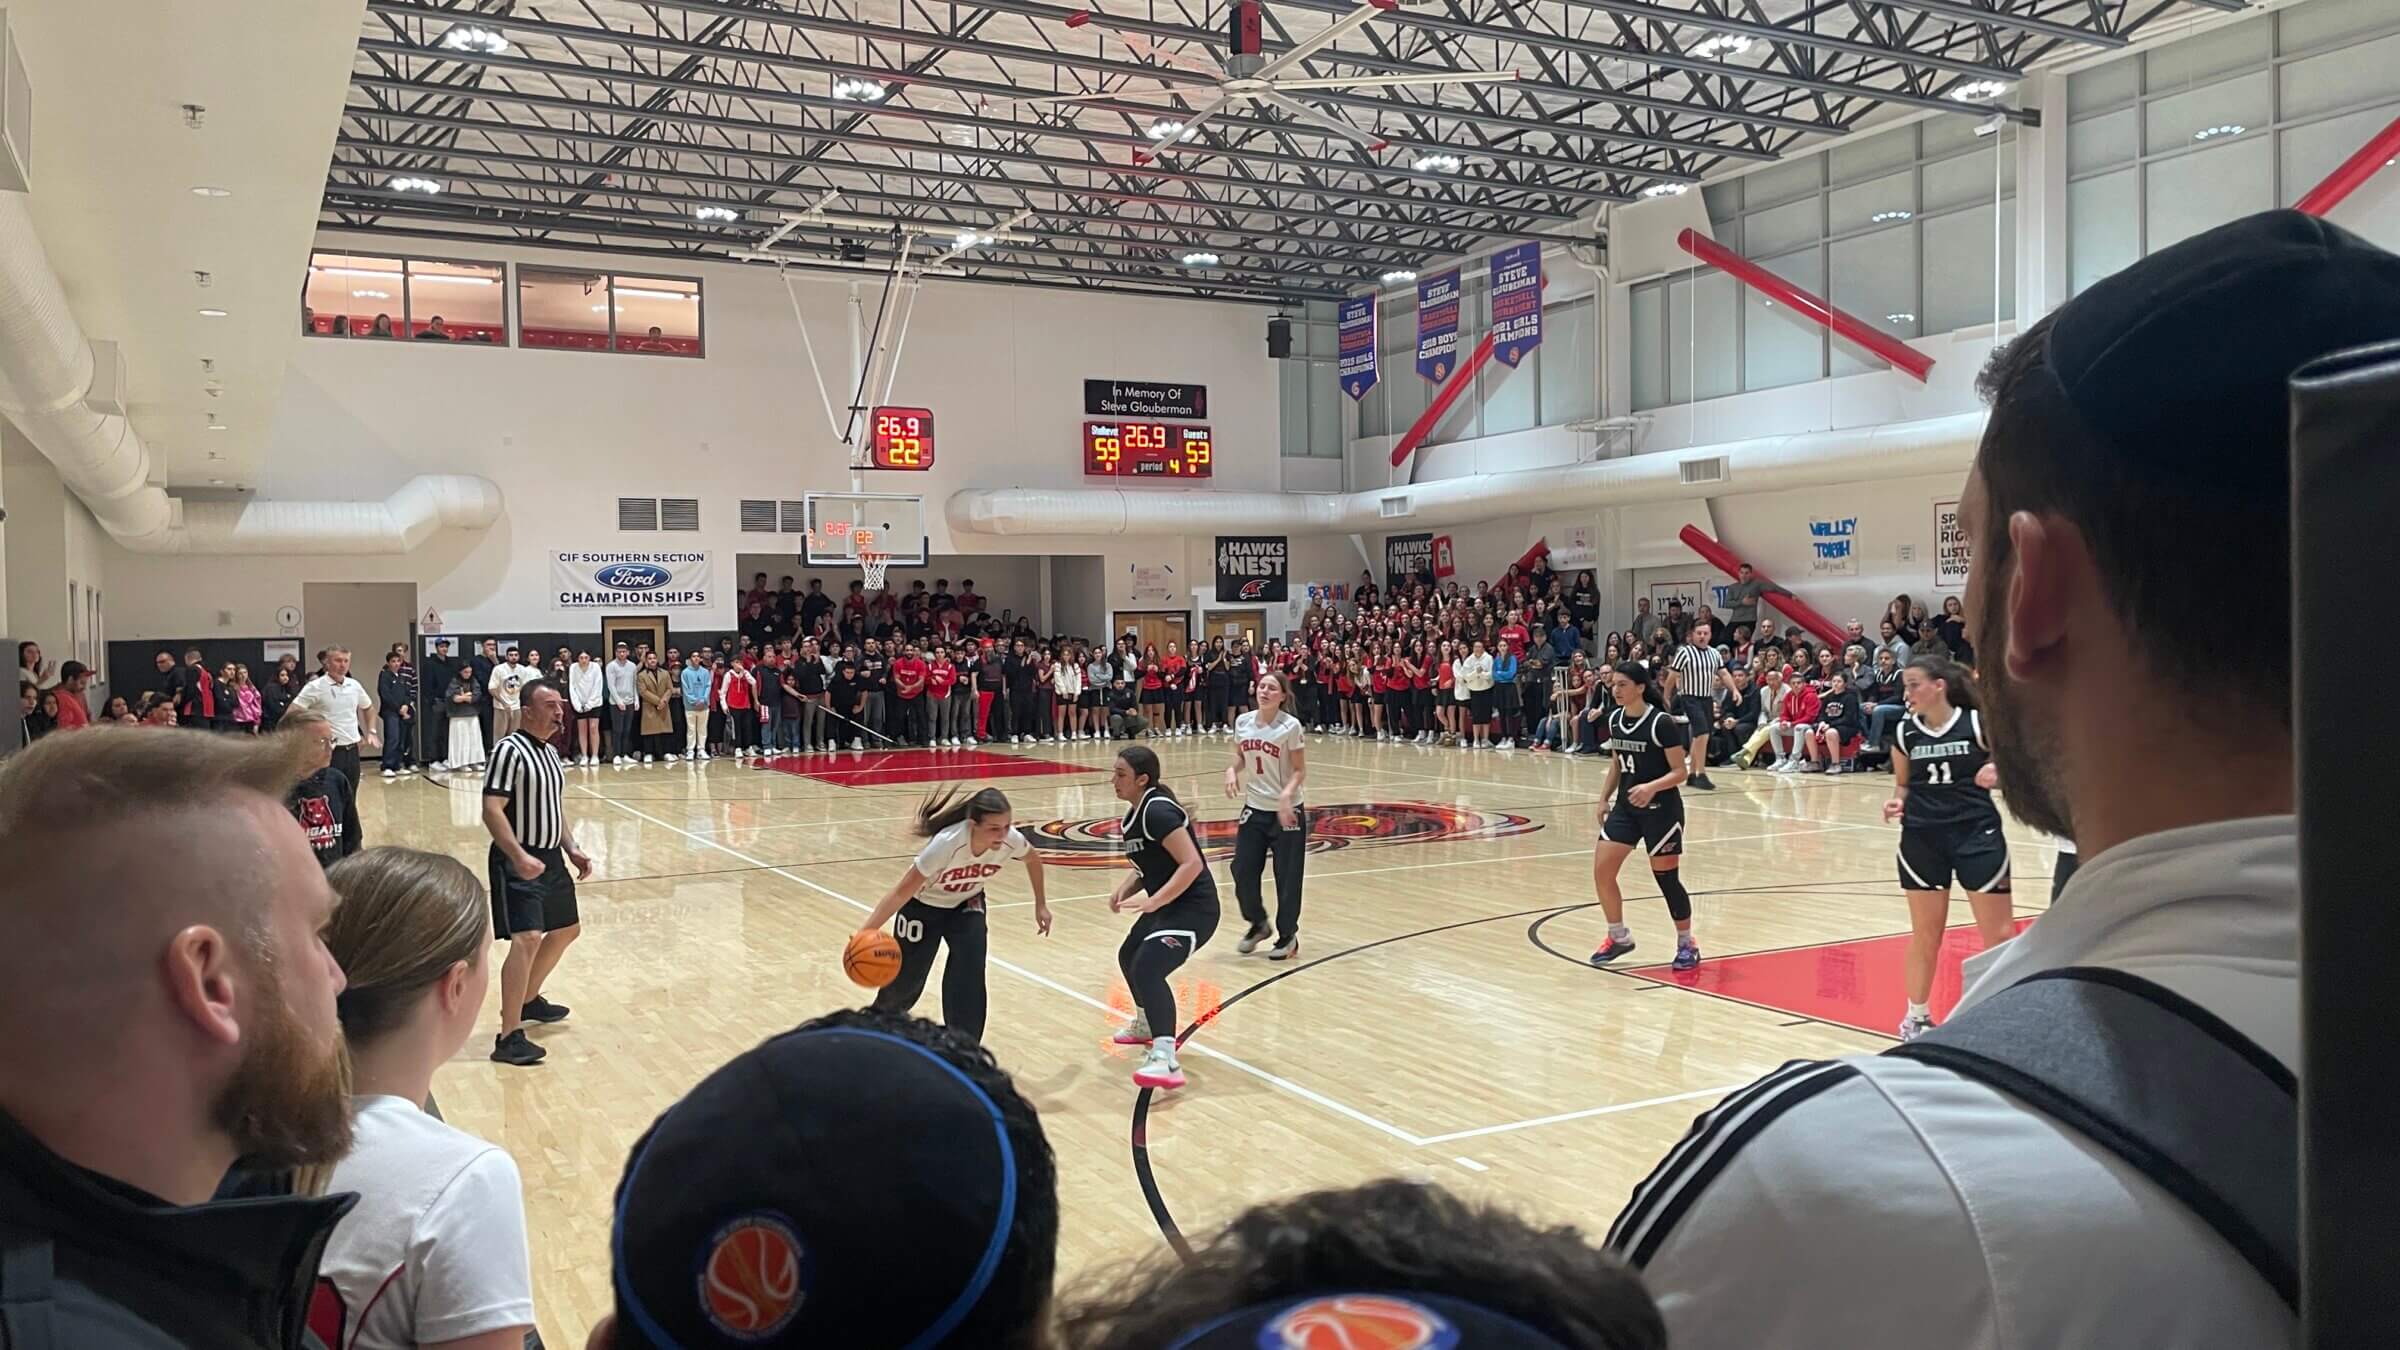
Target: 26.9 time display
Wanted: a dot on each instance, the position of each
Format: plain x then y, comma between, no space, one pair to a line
1147,449
900,438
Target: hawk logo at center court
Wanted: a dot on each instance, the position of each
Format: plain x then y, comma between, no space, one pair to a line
1098,843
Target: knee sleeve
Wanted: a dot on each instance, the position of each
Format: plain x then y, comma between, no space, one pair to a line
1679,901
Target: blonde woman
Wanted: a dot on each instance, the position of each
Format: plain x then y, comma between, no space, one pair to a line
435,1252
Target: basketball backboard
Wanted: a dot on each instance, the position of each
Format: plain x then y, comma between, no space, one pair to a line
841,525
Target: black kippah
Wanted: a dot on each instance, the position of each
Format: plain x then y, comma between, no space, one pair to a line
2178,364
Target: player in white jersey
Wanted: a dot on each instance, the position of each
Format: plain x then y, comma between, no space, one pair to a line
969,838
1270,762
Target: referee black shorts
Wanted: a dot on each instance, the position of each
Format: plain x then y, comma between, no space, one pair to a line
1698,715
542,905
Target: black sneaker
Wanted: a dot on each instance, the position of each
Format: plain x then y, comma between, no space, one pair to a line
517,1048
539,1009
1259,932
1700,781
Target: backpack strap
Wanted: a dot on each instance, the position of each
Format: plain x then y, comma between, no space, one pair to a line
2157,1080
26,1280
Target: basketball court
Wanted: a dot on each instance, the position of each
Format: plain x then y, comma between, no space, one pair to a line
1441,1021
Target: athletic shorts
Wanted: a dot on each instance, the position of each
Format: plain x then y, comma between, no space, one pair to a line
542,905
1697,714
1976,854
1658,827
1089,698
1479,704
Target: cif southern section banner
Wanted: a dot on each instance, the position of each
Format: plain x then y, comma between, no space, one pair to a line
1253,567
1407,557
1437,325
1516,302
1354,330
616,579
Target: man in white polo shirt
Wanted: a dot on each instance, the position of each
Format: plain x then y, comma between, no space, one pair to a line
1902,1199
346,706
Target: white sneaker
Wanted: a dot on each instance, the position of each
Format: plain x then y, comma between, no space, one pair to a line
672,757
443,767
391,773
1159,1069
1910,1028
1136,1031
649,759
1507,744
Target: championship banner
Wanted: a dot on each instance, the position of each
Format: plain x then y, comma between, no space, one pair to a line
1516,302
1253,567
1354,329
1444,564
615,579
1951,553
1437,325
1407,557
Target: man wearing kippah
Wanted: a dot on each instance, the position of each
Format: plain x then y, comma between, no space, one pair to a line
1904,1199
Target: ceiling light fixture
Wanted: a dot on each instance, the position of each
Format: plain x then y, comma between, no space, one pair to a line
467,37
717,213
216,482
1979,91
1438,162
970,239
406,183
1398,275
859,89
1902,317
2221,129
1881,216
1201,258
1990,126
370,295
212,314
1666,189
1720,46
1168,126
205,190
652,295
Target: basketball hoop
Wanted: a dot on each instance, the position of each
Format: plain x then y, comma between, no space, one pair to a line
874,565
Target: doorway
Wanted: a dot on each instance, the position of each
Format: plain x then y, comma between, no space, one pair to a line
635,632
1246,624
365,616
1149,627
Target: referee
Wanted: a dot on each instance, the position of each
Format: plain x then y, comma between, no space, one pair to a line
533,898
1699,671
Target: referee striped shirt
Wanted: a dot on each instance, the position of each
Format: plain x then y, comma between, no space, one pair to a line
528,773
1698,667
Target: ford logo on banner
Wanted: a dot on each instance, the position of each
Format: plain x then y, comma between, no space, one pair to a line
632,577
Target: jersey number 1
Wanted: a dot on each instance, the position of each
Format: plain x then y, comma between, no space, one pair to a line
1258,765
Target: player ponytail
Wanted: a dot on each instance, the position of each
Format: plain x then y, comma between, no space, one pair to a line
1958,685
1144,762
954,804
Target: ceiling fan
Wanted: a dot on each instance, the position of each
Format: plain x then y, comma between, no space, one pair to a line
1247,76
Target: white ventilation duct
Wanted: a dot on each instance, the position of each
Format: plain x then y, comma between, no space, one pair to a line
1810,459
46,371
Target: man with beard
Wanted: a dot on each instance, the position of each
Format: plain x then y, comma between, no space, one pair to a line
170,1009
2106,1198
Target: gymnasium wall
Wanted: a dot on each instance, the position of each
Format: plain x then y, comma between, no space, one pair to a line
53,551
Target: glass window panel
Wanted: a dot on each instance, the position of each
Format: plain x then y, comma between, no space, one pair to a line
1782,182
1701,316
1724,200
2174,120
1569,346
2195,60
658,315
1958,267
1853,208
562,309
2103,232
1780,347
1509,395
1872,156
2103,141
1402,392
1961,179
1875,278
1777,229
1648,340
348,293
2190,193
457,302
2322,23
1325,399
1292,377
2103,86
2343,78
2315,150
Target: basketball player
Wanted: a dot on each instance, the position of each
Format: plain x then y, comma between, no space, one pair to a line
1942,778
939,900
1648,762
1270,762
1177,899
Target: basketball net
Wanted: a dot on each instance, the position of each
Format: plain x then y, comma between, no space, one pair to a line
874,564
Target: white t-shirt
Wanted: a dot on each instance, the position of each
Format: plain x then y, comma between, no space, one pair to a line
1265,753
587,688
954,873
340,704
435,1250
506,680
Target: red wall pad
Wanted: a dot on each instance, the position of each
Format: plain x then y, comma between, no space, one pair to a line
1722,559
2353,171
1898,354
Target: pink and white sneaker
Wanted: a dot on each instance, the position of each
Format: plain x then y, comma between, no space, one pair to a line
1135,1032
1610,949
1159,1070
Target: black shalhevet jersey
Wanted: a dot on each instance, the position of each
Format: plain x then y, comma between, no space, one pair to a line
1640,745
1942,764
1146,829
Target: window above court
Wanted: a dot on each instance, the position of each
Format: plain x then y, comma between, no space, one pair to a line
382,298
572,309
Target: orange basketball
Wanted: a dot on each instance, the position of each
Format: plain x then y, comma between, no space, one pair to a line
872,959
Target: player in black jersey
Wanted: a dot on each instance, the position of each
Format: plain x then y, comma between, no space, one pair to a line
1647,763
1942,796
1177,899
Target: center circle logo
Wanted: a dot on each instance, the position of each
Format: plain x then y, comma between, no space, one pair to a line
751,1282
632,577
1100,842
1359,1322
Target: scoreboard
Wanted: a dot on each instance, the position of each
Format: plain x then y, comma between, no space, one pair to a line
900,438
1147,449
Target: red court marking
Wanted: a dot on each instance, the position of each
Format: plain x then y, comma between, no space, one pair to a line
870,768
1853,984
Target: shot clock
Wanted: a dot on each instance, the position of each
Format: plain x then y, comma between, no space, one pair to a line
900,438
1147,449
